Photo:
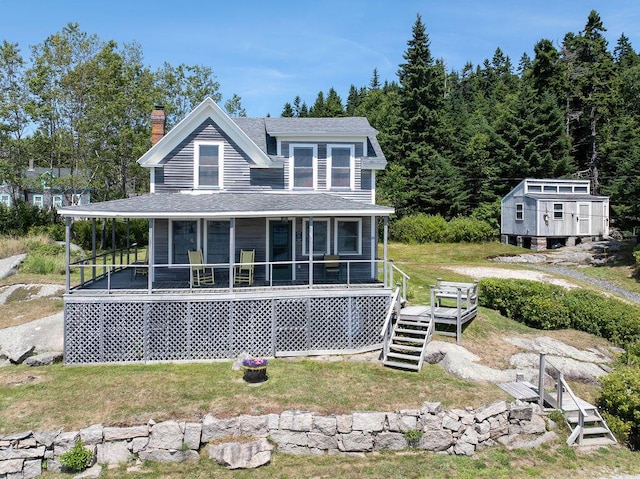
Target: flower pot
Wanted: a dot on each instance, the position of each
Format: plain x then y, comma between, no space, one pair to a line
255,375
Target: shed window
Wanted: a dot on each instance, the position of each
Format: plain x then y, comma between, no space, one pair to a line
535,188
558,211
519,211
580,189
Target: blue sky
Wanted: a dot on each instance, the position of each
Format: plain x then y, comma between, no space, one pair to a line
270,51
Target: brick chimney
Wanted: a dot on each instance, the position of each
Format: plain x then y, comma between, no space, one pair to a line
158,123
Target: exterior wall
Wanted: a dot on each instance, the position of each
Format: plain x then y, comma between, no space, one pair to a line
139,328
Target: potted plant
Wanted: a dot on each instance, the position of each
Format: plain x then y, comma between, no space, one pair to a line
255,370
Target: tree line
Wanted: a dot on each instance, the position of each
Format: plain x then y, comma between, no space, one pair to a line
83,103
457,141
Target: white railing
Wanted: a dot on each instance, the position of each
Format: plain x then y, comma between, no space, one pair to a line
387,326
405,278
350,273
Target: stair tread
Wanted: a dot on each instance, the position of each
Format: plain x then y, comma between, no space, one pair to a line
595,430
574,418
411,331
401,365
409,357
597,441
406,347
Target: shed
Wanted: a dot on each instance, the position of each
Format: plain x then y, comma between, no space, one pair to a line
546,213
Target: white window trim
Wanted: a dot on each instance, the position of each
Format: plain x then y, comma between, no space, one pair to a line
198,236
196,164
561,211
522,211
57,201
39,204
76,199
305,228
5,199
314,164
335,237
352,165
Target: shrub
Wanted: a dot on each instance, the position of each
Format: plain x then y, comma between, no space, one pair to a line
419,228
413,437
76,459
468,230
620,398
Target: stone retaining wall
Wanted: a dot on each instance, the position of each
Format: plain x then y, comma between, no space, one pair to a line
457,431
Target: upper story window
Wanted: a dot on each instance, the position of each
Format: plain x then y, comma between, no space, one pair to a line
303,166
340,164
208,164
519,211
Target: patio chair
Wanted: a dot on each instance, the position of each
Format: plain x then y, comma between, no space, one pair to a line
140,266
200,274
331,265
244,269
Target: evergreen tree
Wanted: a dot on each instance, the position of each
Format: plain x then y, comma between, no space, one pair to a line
333,105
317,110
375,80
287,111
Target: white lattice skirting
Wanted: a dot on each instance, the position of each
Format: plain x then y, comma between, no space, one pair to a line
122,330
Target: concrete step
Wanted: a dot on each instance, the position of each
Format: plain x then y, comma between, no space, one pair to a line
597,441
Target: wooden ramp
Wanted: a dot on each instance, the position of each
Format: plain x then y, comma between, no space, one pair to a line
588,430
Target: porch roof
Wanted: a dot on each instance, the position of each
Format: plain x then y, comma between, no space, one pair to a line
226,205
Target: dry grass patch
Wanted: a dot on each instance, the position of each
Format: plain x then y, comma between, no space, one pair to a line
21,312
73,397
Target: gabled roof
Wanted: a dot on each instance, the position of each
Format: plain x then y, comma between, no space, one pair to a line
207,109
227,204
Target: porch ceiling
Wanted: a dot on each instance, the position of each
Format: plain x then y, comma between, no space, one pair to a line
226,205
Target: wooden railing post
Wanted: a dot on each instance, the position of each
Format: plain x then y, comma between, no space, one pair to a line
541,381
560,388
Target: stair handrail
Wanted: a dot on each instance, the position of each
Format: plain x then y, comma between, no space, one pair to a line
427,339
394,306
561,386
405,278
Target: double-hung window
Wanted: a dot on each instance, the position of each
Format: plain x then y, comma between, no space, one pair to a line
341,167
208,164
558,211
519,211
348,236
57,201
303,166
320,237
38,200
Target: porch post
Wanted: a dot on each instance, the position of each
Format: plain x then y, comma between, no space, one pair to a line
374,247
93,248
150,256
67,253
385,258
113,241
232,251
310,250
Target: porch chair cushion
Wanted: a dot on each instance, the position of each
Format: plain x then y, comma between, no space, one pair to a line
200,274
245,267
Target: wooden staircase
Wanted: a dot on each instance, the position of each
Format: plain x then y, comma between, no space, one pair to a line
408,340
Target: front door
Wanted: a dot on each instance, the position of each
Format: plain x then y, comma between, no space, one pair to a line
584,219
280,249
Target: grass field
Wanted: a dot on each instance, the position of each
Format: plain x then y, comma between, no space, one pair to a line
73,397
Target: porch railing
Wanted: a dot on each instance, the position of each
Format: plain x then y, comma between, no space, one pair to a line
116,271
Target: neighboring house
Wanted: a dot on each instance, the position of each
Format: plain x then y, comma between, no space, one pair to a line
541,214
48,188
283,212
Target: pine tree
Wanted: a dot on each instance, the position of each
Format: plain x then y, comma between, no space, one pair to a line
333,105
287,111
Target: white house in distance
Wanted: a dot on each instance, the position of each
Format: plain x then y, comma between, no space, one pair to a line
543,213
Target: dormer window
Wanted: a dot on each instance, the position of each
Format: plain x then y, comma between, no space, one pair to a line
341,167
208,164
303,166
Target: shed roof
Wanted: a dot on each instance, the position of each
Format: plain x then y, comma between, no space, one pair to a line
226,205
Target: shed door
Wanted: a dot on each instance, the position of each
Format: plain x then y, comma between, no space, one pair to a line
584,219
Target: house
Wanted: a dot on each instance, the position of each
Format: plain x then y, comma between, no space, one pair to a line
263,238
48,188
547,213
